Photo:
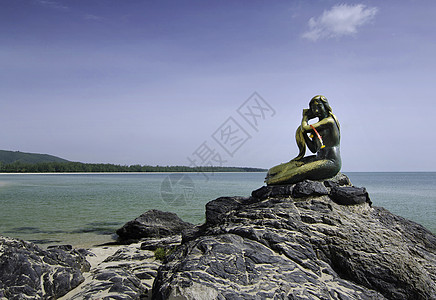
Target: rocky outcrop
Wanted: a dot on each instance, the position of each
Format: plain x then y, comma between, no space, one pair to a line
127,271
152,224
118,272
29,272
311,240
106,272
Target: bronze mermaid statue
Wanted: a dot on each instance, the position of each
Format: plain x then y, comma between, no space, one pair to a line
322,138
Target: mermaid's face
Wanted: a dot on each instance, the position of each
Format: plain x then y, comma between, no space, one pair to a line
318,109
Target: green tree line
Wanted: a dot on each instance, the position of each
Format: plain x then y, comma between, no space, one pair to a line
77,167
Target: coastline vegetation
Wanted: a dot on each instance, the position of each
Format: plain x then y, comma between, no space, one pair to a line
78,167
162,253
23,162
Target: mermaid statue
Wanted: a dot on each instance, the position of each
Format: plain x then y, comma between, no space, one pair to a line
322,138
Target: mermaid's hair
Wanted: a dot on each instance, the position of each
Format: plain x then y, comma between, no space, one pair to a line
327,106
301,143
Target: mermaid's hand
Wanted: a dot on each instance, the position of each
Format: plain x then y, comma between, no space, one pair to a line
308,113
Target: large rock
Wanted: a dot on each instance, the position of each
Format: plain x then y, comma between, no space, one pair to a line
29,272
275,245
118,272
349,195
122,271
152,224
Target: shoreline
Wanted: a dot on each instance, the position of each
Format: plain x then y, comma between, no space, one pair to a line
35,192
207,172
105,173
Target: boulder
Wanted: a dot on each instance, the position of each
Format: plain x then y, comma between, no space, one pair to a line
272,191
309,188
349,195
274,245
338,180
27,271
152,224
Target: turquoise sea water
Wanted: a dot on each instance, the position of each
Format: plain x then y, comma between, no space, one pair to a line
86,209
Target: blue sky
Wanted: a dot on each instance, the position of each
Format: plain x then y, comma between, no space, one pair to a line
155,82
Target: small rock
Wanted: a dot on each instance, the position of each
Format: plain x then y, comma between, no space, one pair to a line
349,195
309,188
273,191
262,192
338,180
152,224
62,247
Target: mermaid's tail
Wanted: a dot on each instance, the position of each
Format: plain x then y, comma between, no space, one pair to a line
301,143
278,171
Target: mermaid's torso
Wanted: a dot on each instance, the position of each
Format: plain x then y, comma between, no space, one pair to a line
331,153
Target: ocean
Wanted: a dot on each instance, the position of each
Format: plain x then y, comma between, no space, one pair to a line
86,209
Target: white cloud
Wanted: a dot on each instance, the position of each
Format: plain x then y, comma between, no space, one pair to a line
53,4
92,17
339,21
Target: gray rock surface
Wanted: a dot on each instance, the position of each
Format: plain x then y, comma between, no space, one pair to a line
349,195
122,271
280,244
284,242
108,272
152,224
29,272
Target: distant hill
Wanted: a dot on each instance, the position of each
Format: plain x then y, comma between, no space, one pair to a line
8,157
22,162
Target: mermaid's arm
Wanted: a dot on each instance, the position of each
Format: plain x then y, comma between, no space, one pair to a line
307,115
312,143
318,125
